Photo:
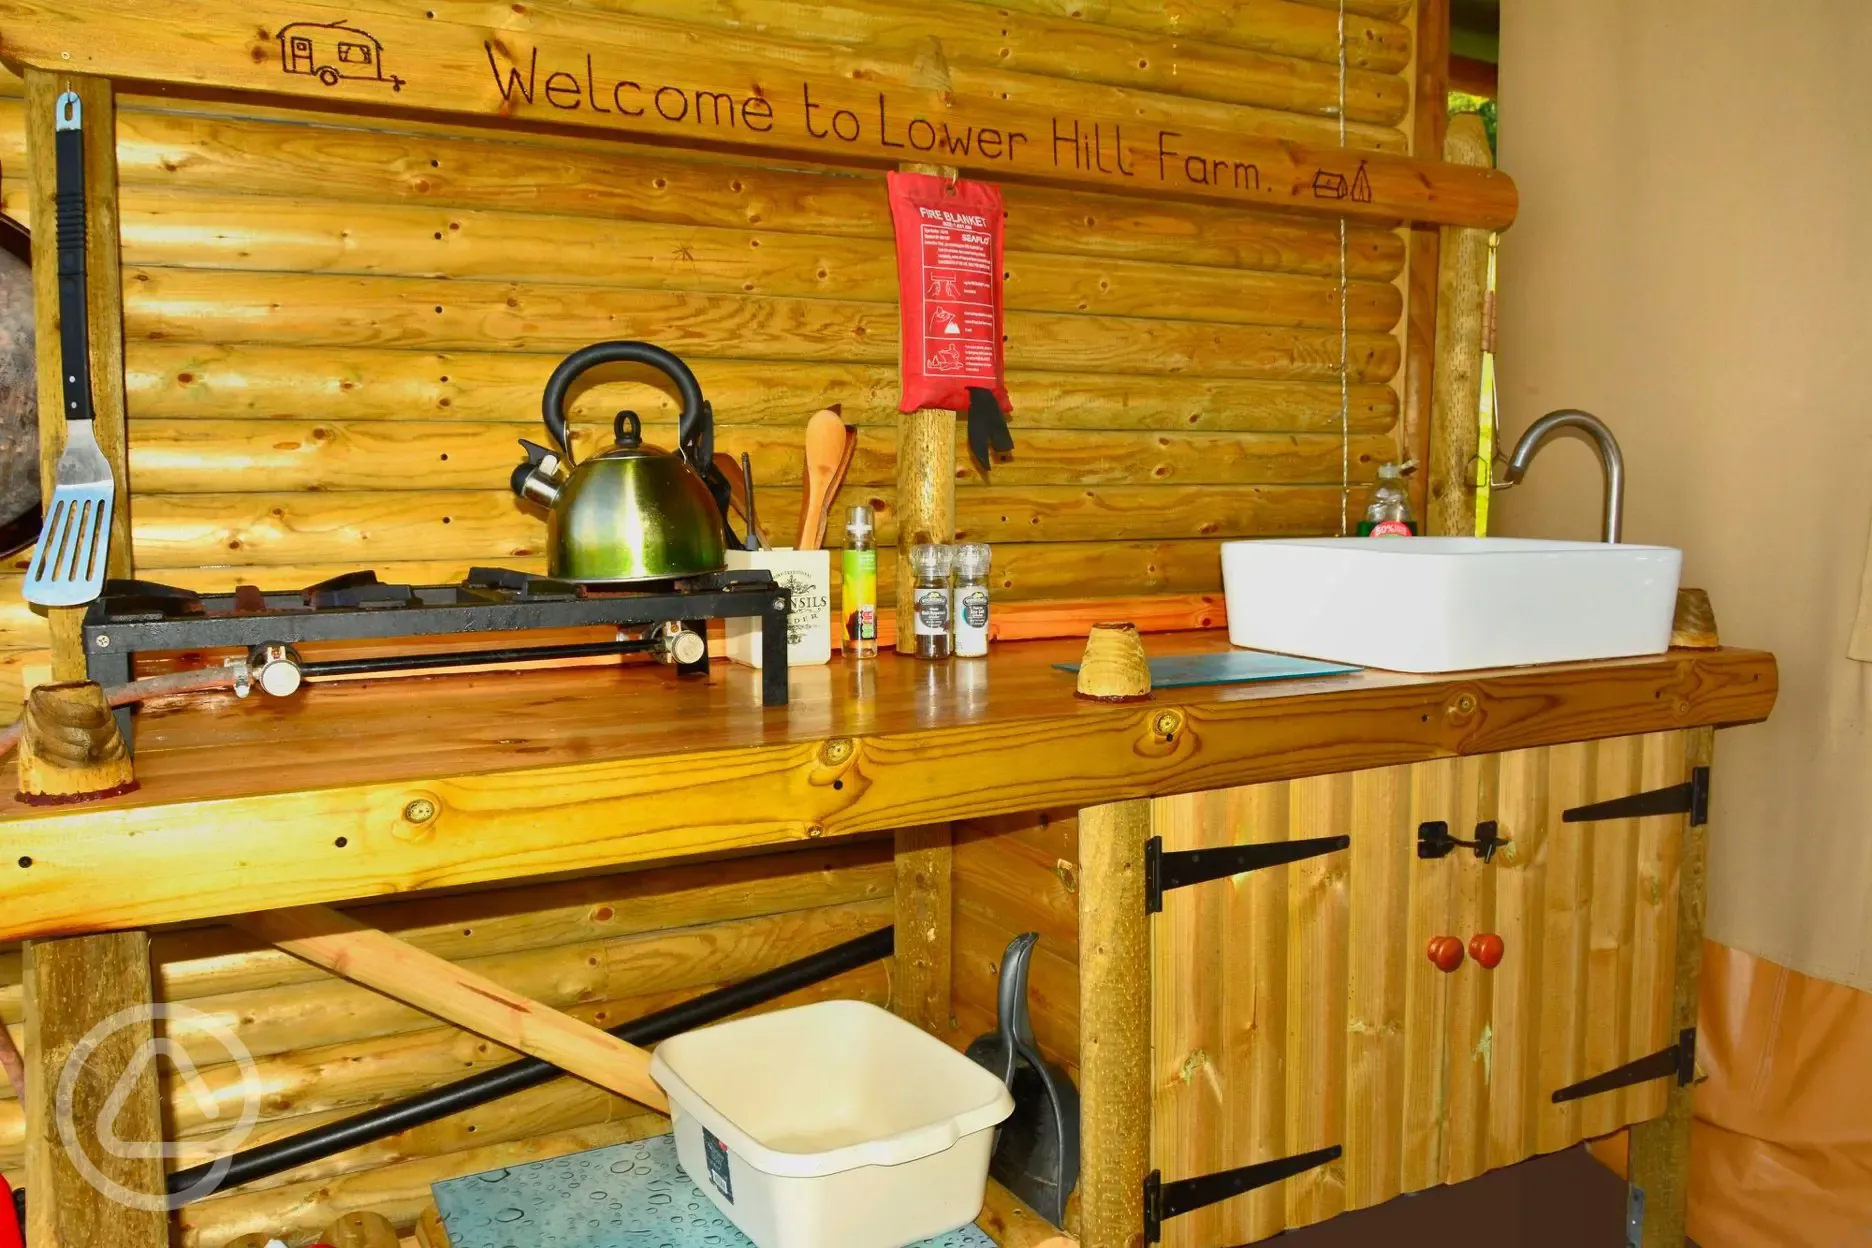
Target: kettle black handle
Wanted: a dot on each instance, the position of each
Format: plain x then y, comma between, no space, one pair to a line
695,435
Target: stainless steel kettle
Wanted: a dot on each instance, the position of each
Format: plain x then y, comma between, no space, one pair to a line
632,512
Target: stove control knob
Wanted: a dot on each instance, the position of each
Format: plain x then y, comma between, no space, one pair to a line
683,646
276,668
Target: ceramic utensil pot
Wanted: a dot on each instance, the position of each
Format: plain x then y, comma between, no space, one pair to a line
633,512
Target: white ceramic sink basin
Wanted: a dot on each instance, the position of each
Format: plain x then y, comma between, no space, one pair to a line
1450,604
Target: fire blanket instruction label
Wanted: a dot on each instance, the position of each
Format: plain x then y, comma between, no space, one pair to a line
949,294
960,329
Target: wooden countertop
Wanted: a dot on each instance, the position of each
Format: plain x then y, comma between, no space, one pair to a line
365,789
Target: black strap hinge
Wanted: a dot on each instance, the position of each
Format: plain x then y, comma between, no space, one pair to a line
1434,840
1163,1201
1165,870
1689,798
1678,1060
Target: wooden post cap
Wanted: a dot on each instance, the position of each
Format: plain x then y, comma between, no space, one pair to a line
1115,667
361,1230
70,749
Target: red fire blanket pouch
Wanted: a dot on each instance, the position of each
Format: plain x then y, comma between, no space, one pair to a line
949,287
12,1219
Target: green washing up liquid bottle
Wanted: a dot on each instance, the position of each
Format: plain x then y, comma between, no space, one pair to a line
1389,514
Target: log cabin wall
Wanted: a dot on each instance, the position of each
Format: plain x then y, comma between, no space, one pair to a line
337,325
606,949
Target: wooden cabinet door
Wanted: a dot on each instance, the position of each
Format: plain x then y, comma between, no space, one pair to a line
1296,1008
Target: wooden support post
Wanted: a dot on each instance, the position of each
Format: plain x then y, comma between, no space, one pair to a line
1660,1148
72,986
921,983
1462,281
104,301
1429,123
1114,1024
328,938
361,1230
430,1233
926,475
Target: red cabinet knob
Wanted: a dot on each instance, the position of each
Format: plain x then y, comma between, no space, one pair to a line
1487,949
1446,953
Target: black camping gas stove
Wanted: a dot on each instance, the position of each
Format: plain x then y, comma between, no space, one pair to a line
668,619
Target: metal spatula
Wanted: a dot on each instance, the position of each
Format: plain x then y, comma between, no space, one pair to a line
74,546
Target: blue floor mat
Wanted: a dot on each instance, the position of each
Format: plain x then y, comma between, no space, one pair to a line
626,1196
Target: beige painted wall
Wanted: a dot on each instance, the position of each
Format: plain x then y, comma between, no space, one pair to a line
1693,263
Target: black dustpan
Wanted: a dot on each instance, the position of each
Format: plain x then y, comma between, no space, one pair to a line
1036,1155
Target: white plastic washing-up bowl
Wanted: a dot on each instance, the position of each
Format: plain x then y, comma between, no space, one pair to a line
833,1125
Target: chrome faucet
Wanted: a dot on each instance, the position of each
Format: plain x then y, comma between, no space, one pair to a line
1587,426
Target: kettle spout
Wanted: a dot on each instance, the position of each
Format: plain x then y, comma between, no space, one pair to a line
538,479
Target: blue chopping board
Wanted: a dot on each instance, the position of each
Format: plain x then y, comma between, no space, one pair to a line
625,1196
1236,667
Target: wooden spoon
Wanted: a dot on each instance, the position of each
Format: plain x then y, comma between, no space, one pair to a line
825,447
838,480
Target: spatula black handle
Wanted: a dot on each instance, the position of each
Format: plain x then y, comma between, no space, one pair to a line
74,333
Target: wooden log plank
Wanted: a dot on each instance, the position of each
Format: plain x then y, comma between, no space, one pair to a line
921,988
1520,904
1007,1220
1660,1148
1462,283
1659,849
1565,944
329,938
595,791
1429,124
399,1192
1607,999
210,230
1256,1056
1470,1005
249,151
214,961
72,988
407,1065
175,382
1114,1024
914,67
1291,27
1388,10
310,1087
1054,991
1316,999
1029,572
1378,966
1017,876
307,1088
103,303
274,459
180,305
216,148
1055,48
278,1020
457,58
1191,1105
1424,1135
